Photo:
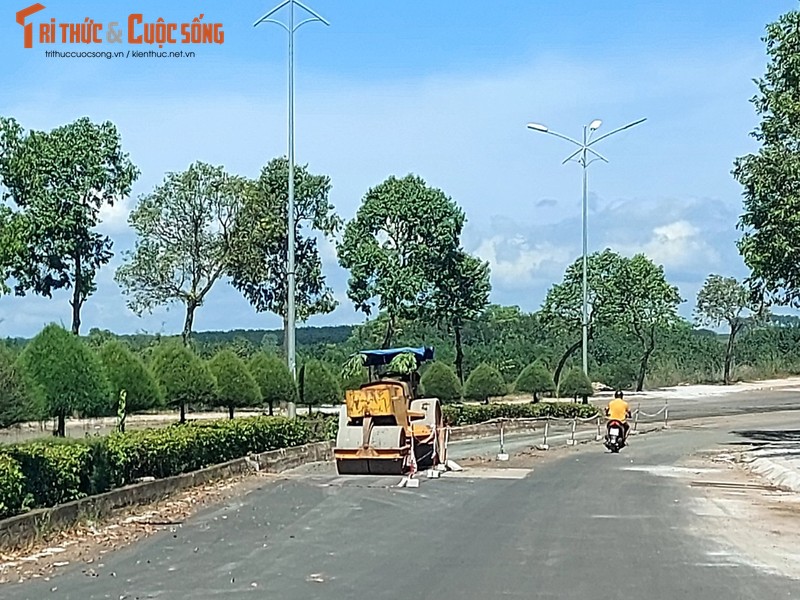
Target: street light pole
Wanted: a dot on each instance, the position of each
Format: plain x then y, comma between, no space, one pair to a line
581,157
289,332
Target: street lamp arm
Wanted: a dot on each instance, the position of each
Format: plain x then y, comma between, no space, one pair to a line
262,20
308,21
267,16
597,154
571,156
310,11
564,137
594,159
629,125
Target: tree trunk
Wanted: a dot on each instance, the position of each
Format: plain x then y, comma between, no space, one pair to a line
643,368
309,410
189,322
567,354
61,428
230,412
387,338
726,376
183,413
270,409
585,399
77,301
459,355
535,397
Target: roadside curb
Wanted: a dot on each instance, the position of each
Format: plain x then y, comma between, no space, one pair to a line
773,471
22,530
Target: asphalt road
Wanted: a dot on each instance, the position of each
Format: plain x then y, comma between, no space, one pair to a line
585,525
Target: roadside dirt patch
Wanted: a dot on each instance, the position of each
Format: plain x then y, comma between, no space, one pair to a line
90,542
754,523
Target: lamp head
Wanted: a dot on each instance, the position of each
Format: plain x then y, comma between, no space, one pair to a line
537,127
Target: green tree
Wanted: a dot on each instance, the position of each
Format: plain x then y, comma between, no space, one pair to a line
60,181
440,381
258,268
126,371
16,401
184,230
725,300
649,305
535,379
236,386
484,382
318,385
575,384
561,312
68,377
11,244
460,295
273,378
183,377
395,246
770,244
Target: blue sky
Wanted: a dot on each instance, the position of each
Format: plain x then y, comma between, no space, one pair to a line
443,89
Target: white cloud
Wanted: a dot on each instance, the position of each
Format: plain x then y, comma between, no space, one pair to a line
675,245
516,263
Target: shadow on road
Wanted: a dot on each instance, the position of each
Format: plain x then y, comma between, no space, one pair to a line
771,435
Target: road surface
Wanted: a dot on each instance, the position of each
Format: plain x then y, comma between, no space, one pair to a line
561,531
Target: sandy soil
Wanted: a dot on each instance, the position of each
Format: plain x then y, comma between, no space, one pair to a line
751,522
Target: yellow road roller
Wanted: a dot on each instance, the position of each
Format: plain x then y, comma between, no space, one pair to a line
384,428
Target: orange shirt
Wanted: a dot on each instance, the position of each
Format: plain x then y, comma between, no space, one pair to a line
618,409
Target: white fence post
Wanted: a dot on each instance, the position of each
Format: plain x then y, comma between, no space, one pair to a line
571,440
502,455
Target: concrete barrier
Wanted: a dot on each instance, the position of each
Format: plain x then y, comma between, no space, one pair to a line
22,530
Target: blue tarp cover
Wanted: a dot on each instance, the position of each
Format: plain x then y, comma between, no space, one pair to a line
384,357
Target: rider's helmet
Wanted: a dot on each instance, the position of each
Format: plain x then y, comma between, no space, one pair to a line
618,394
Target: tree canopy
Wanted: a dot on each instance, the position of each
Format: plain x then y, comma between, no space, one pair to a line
60,181
236,387
184,232
770,244
395,245
274,379
68,377
258,265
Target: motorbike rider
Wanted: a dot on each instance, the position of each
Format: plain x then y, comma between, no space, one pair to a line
618,410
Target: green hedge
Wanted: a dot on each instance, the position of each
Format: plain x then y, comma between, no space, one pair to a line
43,474
55,472
11,486
467,414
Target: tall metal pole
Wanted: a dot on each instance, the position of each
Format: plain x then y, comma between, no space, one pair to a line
584,149
585,319
289,330
290,297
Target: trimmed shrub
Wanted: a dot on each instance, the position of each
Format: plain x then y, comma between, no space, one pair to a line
183,377
16,400
126,371
54,472
535,379
11,487
484,382
575,384
67,374
236,386
319,385
440,381
273,378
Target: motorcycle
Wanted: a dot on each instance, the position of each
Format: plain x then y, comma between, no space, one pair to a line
615,436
